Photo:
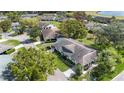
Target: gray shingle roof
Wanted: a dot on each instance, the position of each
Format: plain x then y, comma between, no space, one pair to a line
73,49
49,32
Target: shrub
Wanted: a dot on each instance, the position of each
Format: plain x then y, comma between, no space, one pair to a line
22,49
78,69
10,51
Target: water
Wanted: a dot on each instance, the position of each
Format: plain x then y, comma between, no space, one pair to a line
112,13
4,60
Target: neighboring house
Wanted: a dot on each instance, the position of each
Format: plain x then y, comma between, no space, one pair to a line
102,19
52,17
48,17
75,51
29,15
15,26
50,32
94,25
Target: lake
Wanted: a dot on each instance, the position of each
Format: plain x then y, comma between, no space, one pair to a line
112,13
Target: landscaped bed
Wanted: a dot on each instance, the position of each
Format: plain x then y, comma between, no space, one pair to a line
10,51
11,42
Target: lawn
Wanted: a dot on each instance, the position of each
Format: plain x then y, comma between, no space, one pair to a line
11,42
44,45
60,62
88,42
55,23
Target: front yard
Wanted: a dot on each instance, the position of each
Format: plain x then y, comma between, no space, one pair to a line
11,42
60,61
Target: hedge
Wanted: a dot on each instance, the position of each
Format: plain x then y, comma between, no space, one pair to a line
10,51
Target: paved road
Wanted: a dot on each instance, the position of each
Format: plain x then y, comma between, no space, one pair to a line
119,77
4,60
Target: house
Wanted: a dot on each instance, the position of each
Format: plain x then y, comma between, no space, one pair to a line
49,17
101,19
50,32
75,51
94,25
53,17
29,15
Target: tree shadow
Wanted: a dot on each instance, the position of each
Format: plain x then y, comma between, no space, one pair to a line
7,75
27,41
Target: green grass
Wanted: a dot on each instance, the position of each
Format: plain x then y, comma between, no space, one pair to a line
10,51
119,68
11,42
44,45
87,41
55,23
60,62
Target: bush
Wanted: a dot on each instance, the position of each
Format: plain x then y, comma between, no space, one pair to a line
78,69
22,49
10,51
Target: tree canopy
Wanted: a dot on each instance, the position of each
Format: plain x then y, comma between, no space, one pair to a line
80,15
14,16
73,29
112,34
29,24
34,33
107,60
5,25
32,65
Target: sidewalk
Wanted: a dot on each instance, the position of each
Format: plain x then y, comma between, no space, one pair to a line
119,77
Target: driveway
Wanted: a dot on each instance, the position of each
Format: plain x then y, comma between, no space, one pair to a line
9,36
58,76
4,60
119,77
69,73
